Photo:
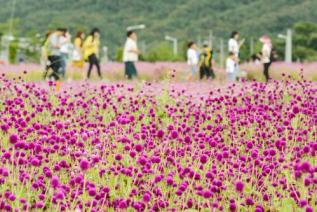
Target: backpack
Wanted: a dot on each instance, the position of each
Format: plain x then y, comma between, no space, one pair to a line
206,58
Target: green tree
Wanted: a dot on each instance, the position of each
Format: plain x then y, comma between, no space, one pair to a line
305,41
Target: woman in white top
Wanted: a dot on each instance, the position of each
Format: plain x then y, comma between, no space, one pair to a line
266,55
234,45
130,54
192,57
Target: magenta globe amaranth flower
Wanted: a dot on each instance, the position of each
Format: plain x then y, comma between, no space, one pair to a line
239,186
118,157
160,133
13,139
203,159
146,197
54,182
249,201
174,134
173,147
84,164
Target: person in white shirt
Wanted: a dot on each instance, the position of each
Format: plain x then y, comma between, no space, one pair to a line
266,55
231,67
131,54
52,45
234,44
192,57
65,50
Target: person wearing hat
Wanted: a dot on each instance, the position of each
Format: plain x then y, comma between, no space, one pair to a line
266,55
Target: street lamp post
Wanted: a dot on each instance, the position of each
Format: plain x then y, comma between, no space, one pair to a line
175,43
210,37
288,45
136,27
105,54
12,16
222,53
5,42
251,46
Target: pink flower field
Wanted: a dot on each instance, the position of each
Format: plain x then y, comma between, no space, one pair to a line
113,71
158,146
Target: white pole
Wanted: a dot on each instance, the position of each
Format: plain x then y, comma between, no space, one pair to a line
288,45
251,46
105,54
210,39
175,43
221,53
12,16
199,41
5,43
288,48
175,46
143,46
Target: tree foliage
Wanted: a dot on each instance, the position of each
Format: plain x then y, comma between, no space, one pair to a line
184,19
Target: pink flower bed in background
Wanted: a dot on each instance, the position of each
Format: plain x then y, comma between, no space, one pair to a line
278,68
162,70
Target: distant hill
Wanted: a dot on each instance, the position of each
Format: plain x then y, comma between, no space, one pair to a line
185,19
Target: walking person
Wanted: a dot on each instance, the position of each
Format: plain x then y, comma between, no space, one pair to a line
131,55
266,55
54,54
91,51
65,42
192,58
44,54
206,63
78,54
234,45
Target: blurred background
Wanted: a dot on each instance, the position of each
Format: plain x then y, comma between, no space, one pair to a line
23,24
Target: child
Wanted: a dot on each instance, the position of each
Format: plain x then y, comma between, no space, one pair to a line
205,63
78,52
231,67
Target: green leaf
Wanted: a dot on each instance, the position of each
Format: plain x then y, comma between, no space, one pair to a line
288,204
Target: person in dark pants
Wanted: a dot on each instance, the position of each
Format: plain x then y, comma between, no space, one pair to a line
266,71
91,51
130,70
130,55
54,54
65,49
266,55
205,63
93,60
55,65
